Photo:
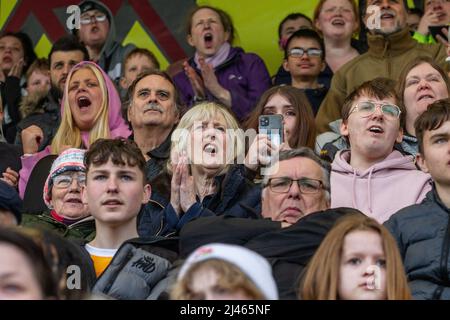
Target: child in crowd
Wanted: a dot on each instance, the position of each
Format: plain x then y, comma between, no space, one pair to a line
137,61
357,260
225,272
304,59
127,267
291,23
38,77
114,192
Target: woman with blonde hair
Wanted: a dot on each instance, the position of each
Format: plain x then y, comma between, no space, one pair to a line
204,175
357,260
90,109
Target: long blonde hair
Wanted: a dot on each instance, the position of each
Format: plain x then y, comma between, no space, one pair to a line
321,281
68,133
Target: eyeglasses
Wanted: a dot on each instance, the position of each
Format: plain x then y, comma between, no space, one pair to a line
310,52
306,185
367,108
64,180
88,19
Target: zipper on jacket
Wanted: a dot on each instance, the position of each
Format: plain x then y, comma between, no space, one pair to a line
444,260
162,219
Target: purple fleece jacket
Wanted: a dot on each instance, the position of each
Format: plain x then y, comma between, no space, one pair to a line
381,190
243,74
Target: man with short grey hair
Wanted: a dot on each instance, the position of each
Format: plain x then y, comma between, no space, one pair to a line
286,201
294,219
153,113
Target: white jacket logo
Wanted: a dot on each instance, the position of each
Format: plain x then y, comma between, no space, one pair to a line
233,76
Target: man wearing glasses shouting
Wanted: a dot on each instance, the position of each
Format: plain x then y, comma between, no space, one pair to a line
371,176
97,32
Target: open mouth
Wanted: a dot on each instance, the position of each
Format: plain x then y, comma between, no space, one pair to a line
208,38
425,97
338,22
387,16
376,129
83,102
210,148
441,15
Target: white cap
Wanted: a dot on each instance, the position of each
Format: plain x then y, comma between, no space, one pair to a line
249,262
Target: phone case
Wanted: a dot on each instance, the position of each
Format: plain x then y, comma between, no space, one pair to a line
272,125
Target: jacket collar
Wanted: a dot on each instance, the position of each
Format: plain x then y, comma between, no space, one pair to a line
434,196
232,55
163,150
392,45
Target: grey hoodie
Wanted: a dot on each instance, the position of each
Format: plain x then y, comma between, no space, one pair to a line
112,53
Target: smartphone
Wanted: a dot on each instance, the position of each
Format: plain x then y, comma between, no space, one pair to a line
437,30
272,125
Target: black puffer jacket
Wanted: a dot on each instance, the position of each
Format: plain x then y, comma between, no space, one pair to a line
422,232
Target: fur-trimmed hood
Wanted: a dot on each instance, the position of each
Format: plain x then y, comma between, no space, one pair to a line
33,103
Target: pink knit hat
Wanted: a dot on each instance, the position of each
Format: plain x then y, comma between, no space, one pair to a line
69,160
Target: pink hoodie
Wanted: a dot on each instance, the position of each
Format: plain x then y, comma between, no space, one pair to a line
381,190
117,125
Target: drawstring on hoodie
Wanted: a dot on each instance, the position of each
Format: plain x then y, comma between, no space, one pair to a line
369,194
353,189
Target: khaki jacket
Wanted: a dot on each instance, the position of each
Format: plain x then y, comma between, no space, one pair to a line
386,57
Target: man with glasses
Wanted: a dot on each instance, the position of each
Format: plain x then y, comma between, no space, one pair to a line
295,217
391,48
97,33
66,214
297,185
371,176
304,59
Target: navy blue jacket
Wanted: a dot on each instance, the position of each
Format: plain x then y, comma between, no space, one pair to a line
234,196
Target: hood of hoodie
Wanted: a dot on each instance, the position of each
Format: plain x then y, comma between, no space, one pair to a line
380,190
395,160
110,43
117,125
